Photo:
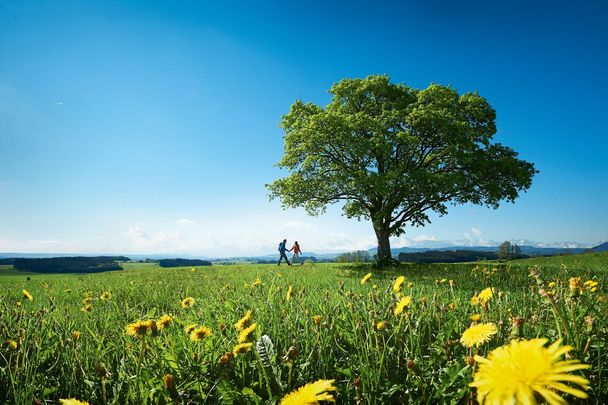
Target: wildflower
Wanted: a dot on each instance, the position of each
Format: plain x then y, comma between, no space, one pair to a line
164,321
410,285
403,302
106,296
188,302
452,305
518,371
200,333
478,334
317,319
12,344
75,335
18,303
26,294
590,285
397,284
241,348
366,278
311,393
475,317
485,295
475,300
138,328
517,327
86,308
245,334
226,357
380,325
152,327
72,401
188,329
575,283
244,321
289,293
257,282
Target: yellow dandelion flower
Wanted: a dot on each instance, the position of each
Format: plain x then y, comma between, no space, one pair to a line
244,321
486,294
188,329
200,333
86,308
476,317
289,294
311,393
245,334
75,335
188,302
452,306
106,296
575,283
72,401
551,284
317,319
164,321
366,278
475,300
138,328
516,372
152,326
410,285
18,303
478,334
242,348
398,284
257,282
26,294
12,344
591,285
402,304
381,325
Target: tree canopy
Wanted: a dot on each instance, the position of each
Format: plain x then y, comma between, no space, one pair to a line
393,154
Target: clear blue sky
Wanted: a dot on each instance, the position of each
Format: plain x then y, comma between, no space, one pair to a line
152,126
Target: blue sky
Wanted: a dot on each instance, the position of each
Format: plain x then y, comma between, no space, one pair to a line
141,127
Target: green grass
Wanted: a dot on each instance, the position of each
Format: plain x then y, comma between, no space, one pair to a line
415,358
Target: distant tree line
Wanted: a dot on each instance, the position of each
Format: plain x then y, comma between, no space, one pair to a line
508,250
10,260
358,256
79,264
183,262
446,256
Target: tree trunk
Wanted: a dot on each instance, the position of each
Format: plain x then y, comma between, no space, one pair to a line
384,244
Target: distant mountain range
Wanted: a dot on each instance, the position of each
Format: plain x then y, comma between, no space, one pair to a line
601,248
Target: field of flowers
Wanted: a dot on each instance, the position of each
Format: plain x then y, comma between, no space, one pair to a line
530,330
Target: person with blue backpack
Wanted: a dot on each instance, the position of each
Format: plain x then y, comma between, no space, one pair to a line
282,250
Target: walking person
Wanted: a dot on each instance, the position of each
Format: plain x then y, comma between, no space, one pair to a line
296,252
282,250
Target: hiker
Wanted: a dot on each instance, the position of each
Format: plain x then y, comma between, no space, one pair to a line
282,250
296,251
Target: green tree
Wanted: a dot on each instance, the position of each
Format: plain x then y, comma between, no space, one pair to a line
504,250
393,154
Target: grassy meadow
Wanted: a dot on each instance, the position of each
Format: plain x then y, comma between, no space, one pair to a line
88,336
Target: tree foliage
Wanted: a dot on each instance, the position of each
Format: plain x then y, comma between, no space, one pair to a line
393,154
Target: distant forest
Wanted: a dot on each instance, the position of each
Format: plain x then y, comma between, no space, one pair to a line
446,256
79,264
183,262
